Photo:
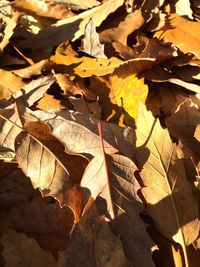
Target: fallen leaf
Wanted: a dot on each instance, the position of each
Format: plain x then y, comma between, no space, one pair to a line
197,133
183,121
15,187
47,172
77,5
10,127
86,66
90,42
9,30
126,92
190,86
92,229
165,181
82,106
111,178
15,245
36,69
124,28
154,53
10,81
173,33
72,28
132,22
79,133
34,90
183,8
41,218
42,8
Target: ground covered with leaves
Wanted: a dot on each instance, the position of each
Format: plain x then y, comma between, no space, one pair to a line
99,133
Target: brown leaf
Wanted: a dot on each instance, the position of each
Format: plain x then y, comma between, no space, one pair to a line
15,245
77,5
132,22
92,230
185,116
165,183
79,133
42,8
34,90
86,66
15,187
10,81
11,24
112,179
36,69
90,42
174,33
154,53
72,28
10,127
41,218
47,172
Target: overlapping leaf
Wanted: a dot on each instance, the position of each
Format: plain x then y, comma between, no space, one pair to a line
165,183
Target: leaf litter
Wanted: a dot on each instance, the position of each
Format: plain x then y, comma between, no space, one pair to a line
99,133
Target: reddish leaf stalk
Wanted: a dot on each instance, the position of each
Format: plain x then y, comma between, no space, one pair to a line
111,211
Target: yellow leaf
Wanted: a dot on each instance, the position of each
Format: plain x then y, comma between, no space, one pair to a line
126,92
86,66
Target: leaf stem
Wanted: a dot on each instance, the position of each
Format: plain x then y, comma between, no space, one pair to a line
111,210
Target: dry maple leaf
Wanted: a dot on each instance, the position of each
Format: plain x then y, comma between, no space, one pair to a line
165,183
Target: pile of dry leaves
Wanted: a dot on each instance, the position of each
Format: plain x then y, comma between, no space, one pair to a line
99,133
